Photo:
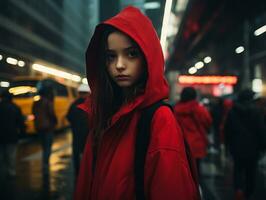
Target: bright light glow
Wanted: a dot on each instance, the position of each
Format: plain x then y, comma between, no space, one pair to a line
218,91
4,84
51,71
221,86
192,70
257,85
173,23
30,117
181,5
260,30
239,49
11,61
76,78
56,72
21,63
85,81
1,57
22,90
152,5
167,12
199,65
36,98
231,80
205,101
207,59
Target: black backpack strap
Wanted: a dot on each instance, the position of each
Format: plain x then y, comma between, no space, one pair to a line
141,146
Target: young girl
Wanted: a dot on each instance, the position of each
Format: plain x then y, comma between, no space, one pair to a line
125,71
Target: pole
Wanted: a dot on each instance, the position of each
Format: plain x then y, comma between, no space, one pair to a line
246,81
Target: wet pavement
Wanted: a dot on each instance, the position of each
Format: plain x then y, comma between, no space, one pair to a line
217,178
31,184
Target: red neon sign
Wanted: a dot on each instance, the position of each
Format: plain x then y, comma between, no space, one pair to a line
231,80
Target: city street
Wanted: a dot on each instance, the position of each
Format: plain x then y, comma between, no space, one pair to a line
30,184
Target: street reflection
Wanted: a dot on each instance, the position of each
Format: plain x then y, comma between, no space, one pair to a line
37,184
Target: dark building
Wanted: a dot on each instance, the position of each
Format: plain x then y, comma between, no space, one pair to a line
56,32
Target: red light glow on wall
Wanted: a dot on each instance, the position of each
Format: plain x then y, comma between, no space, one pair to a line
230,80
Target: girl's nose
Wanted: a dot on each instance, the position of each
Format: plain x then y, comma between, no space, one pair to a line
120,64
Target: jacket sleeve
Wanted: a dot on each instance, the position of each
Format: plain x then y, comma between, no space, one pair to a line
70,111
167,173
204,118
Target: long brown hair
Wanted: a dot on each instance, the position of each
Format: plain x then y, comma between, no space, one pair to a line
108,97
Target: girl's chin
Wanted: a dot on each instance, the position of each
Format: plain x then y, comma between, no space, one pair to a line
124,84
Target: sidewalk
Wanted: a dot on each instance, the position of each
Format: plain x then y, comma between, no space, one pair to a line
30,183
217,181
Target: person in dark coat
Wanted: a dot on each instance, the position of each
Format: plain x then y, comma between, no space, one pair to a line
78,120
216,111
245,138
45,122
11,124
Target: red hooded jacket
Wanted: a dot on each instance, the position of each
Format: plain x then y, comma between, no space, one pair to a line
167,174
195,121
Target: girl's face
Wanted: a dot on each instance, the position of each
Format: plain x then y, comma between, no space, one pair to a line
124,60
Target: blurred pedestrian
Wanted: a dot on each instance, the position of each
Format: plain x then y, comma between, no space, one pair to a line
196,121
245,137
125,68
216,111
78,119
227,105
11,124
45,122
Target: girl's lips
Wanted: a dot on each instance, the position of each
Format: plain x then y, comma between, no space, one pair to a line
122,77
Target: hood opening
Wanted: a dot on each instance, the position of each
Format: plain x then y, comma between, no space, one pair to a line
140,29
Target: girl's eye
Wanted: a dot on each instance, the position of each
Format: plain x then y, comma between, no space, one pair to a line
133,53
110,57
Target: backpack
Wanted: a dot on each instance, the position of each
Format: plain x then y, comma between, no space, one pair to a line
141,147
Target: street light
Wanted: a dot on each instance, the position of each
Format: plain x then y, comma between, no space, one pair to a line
152,5
260,30
207,59
21,63
199,65
11,61
192,70
239,49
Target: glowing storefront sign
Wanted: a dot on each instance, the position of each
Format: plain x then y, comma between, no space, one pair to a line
184,79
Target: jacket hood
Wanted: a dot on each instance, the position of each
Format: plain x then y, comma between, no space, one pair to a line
186,107
138,27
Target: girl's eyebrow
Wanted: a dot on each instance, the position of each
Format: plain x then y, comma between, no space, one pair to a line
131,47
